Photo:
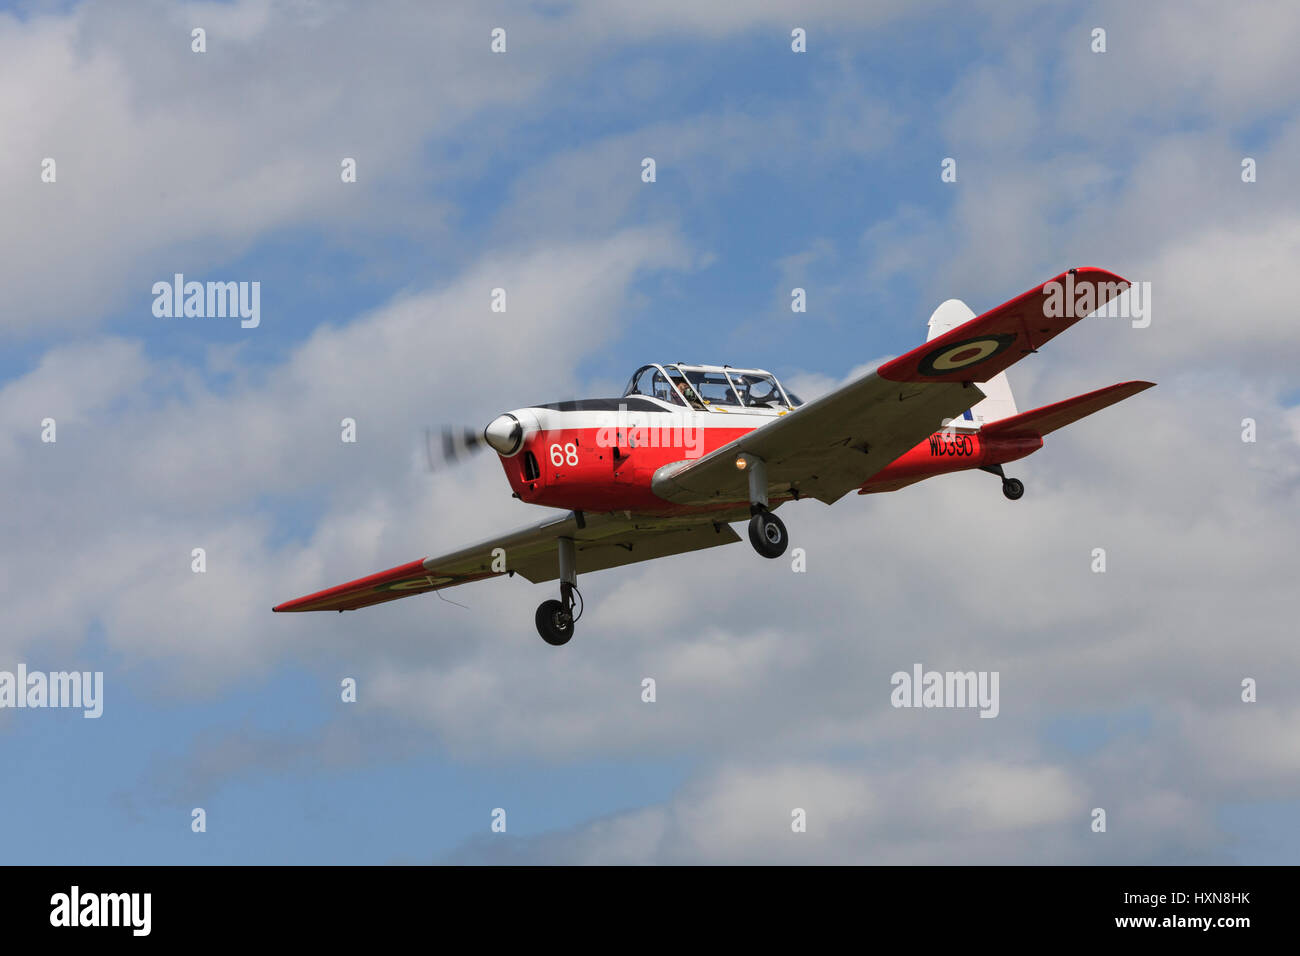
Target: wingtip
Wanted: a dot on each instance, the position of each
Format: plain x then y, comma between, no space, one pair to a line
1132,387
1098,272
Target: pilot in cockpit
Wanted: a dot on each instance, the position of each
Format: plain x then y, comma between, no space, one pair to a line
685,388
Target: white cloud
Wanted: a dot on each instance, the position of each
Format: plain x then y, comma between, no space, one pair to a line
128,503
776,682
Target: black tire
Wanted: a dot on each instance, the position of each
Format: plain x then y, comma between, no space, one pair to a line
554,623
1013,488
768,535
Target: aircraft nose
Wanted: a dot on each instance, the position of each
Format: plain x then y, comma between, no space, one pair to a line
505,435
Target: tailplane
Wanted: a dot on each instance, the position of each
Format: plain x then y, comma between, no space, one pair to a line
1049,418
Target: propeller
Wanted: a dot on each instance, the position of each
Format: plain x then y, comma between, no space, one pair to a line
504,435
451,445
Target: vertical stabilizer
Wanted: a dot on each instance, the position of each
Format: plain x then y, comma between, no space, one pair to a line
998,402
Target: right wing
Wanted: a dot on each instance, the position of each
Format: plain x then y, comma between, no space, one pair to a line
832,445
601,541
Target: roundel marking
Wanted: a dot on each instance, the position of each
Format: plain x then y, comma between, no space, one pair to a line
960,355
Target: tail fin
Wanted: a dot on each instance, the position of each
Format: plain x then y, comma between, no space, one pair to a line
998,402
1049,418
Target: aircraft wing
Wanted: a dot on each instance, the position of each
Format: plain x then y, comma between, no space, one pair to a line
601,541
832,445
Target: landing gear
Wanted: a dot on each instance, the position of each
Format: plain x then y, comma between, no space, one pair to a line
768,535
554,623
1013,488
555,619
766,531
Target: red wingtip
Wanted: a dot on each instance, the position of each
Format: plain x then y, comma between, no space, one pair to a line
981,348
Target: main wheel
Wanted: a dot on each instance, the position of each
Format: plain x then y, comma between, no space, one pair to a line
1013,488
768,535
554,623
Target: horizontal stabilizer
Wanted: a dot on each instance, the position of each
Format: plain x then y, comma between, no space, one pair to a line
1049,418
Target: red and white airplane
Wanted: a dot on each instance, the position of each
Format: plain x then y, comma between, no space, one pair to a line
688,449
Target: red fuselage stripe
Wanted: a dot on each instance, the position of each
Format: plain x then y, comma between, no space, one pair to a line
590,468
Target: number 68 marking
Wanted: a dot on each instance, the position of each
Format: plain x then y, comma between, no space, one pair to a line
568,455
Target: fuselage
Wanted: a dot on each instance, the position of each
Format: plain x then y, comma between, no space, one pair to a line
600,455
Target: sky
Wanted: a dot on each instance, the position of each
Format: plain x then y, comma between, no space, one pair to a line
774,169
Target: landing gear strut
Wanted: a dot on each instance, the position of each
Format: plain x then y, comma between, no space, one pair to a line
555,619
766,531
1013,488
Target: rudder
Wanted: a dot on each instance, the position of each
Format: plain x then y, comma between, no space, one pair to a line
998,402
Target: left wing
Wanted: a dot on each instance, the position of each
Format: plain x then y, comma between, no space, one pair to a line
601,541
832,445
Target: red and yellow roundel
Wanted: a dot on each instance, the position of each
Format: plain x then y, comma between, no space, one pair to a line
959,355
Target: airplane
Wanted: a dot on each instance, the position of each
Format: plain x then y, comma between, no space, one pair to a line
687,450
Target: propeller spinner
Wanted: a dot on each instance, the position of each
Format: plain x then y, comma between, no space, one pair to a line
504,434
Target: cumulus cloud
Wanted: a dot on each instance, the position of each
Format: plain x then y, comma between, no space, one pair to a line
129,504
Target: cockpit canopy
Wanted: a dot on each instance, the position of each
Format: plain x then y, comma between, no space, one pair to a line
711,386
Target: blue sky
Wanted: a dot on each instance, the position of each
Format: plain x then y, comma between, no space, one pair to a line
522,170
